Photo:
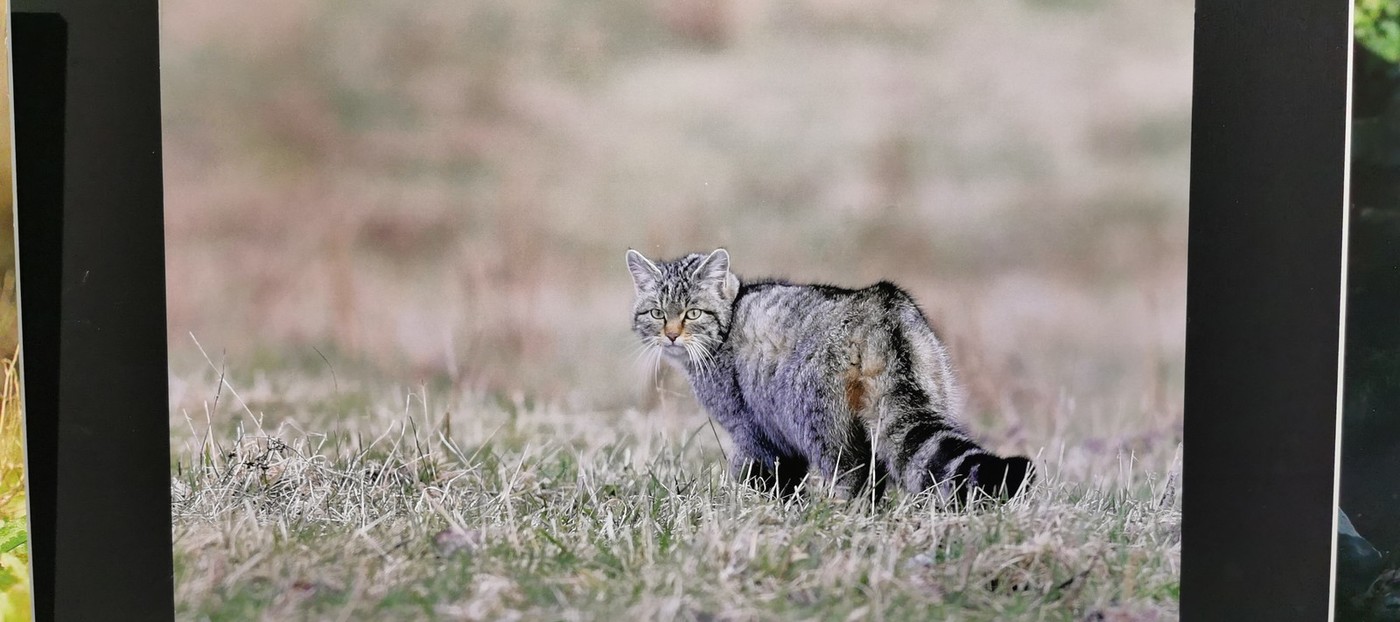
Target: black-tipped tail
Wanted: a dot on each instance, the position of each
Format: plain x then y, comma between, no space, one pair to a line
984,476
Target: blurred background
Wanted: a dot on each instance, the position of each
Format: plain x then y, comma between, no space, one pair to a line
9,316
1370,446
442,191
14,509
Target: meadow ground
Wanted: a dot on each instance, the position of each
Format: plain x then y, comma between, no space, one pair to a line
425,505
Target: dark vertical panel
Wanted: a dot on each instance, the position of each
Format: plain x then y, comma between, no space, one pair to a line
1268,142
109,485
39,43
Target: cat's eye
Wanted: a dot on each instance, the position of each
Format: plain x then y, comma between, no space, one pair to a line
692,315
656,313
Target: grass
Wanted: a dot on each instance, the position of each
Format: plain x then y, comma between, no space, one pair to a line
477,507
14,525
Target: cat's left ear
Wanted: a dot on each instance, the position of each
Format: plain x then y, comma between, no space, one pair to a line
716,268
644,272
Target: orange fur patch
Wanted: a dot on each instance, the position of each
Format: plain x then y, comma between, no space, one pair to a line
857,380
855,390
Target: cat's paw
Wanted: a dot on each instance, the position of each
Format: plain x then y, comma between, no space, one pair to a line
775,478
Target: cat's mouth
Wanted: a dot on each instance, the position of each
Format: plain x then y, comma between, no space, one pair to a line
672,348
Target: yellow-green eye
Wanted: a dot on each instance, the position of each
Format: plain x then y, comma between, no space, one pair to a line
656,313
692,315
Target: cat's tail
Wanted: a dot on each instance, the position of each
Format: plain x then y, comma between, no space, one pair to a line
936,456
921,405
988,476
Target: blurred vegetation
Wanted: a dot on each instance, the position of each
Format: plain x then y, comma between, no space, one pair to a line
1378,28
14,529
14,526
445,191
9,317
1371,392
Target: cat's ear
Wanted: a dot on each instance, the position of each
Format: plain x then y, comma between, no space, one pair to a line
644,272
716,268
712,268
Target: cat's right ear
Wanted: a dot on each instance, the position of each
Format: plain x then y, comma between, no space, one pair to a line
715,268
644,272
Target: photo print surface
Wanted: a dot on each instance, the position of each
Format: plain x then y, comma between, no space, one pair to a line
1367,583
14,509
412,371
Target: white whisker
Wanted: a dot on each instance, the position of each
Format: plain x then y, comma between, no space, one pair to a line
640,350
708,352
697,355
700,354
656,368
689,351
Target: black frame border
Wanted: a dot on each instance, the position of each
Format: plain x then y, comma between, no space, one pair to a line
1268,152
92,295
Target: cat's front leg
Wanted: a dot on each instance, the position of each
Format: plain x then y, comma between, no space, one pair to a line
758,463
774,476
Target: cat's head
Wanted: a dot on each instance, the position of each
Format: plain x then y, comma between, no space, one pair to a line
683,306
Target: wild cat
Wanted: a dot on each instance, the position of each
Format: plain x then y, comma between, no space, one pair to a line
852,383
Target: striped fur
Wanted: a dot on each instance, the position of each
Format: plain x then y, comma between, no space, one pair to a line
852,383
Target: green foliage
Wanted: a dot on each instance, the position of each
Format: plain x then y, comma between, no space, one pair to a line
14,536
14,571
1378,27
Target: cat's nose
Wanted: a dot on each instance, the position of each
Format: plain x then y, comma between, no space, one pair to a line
672,334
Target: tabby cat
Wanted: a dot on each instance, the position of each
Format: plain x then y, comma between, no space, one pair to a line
852,383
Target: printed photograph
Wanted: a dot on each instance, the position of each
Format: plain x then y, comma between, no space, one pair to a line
676,309
1367,585
14,509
